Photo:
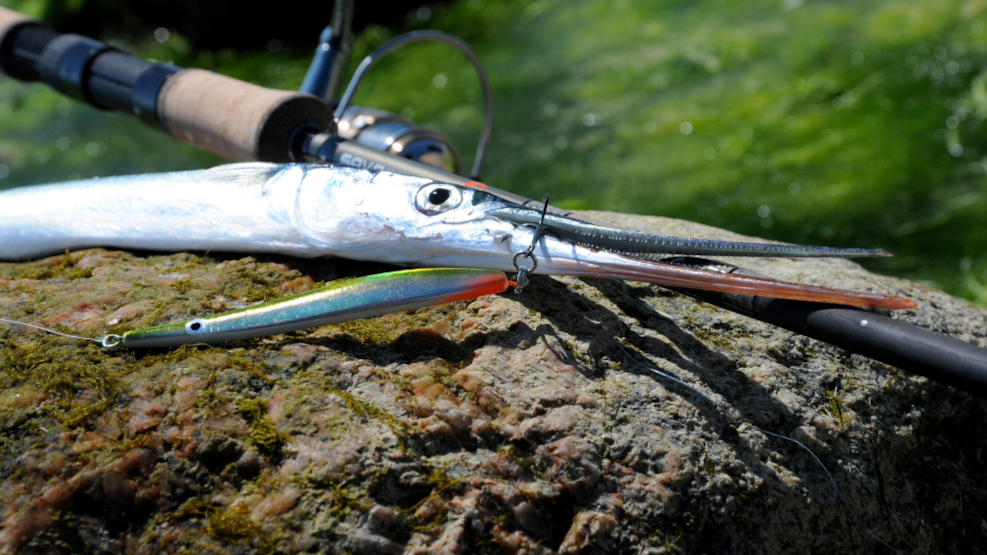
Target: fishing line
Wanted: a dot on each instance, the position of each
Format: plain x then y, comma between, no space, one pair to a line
100,341
522,271
110,341
737,421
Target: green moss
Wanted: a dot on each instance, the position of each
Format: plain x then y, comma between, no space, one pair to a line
183,285
73,376
210,398
264,436
234,525
837,409
505,519
370,412
896,374
369,331
670,541
253,281
54,267
194,507
343,502
82,413
442,483
253,368
724,341
383,331
580,354
708,465
81,381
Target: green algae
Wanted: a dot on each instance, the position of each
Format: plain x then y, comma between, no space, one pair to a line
76,380
398,427
197,516
82,413
254,368
252,281
234,526
264,436
837,409
708,465
726,342
523,460
374,332
442,483
193,507
384,331
343,502
48,268
896,375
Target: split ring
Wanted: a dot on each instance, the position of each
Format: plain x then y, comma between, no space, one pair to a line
534,261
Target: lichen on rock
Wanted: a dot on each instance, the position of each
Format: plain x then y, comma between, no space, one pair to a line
507,423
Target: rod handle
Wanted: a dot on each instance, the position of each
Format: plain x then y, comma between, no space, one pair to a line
234,119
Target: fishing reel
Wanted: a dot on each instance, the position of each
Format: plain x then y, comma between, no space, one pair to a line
378,130
396,135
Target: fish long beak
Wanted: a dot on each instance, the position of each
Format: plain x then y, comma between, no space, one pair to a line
594,235
577,247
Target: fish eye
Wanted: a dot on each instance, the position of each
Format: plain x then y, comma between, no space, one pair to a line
195,327
438,198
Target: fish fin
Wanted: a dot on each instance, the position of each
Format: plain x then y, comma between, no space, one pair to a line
249,173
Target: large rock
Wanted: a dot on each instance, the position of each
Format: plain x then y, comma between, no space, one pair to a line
508,423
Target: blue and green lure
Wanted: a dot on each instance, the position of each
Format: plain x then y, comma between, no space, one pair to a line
342,301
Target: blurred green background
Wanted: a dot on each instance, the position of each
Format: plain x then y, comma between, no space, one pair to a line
841,122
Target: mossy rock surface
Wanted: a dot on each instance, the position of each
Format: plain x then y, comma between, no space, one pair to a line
510,423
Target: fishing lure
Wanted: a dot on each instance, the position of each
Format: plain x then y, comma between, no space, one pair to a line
310,210
342,301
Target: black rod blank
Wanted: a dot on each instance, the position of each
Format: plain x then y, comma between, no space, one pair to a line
83,68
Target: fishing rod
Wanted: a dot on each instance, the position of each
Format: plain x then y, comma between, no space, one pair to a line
242,121
245,122
872,334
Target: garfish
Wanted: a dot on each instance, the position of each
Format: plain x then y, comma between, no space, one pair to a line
315,210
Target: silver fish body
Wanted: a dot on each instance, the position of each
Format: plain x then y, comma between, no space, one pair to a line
244,207
311,210
296,209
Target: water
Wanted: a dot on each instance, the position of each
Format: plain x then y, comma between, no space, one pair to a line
839,123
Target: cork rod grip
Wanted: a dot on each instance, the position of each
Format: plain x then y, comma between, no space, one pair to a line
234,119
